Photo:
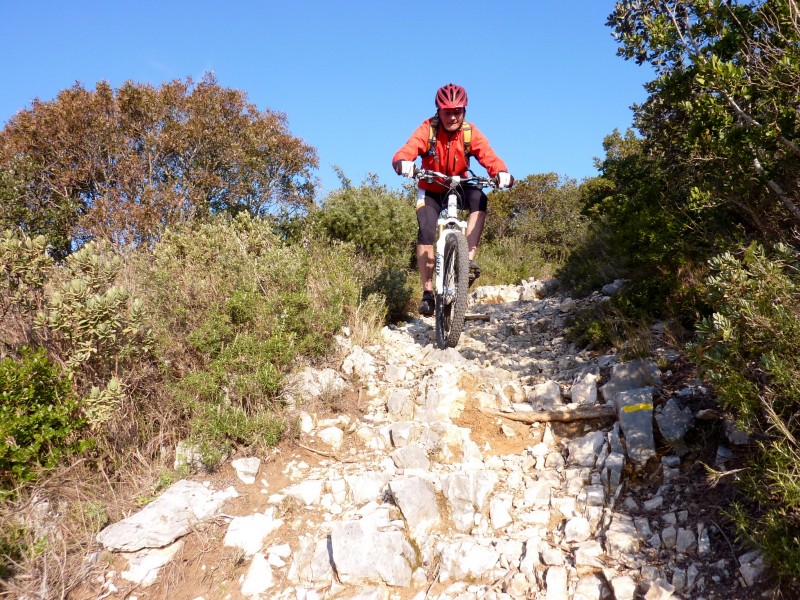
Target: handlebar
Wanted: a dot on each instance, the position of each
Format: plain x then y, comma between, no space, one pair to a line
454,180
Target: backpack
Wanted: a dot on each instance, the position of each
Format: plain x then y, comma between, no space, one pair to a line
434,126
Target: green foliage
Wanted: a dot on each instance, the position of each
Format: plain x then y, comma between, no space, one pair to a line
511,259
718,162
216,428
95,324
749,348
76,313
392,288
723,108
252,306
40,420
382,226
18,210
26,267
641,231
753,335
85,321
599,327
531,229
541,210
770,519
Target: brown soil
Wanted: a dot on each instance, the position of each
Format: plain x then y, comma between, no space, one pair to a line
487,433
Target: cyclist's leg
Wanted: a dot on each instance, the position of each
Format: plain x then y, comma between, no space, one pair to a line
475,225
476,201
425,265
428,209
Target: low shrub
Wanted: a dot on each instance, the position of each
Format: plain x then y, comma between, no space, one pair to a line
382,227
749,348
40,418
509,260
380,223
252,307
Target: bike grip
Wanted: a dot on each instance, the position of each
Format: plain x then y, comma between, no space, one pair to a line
496,181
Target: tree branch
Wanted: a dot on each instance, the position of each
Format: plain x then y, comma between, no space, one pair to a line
775,187
597,411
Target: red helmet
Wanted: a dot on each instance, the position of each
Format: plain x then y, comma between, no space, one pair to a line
451,96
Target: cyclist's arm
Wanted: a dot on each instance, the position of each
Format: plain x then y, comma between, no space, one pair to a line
416,145
485,155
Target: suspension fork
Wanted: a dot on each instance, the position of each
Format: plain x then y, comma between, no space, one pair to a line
441,239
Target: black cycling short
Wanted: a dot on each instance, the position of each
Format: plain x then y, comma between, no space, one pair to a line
472,198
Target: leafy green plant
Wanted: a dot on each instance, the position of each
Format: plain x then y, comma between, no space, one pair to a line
753,335
257,305
95,323
40,420
749,348
94,327
381,224
26,267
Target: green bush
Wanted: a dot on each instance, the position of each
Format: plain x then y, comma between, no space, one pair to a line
645,230
509,260
40,420
394,290
381,224
94,326
76,312
26,268
235,308
749,348
753,336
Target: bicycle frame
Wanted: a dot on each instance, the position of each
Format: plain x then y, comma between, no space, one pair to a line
447,224
451,261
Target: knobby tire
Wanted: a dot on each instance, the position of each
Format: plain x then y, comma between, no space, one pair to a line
450,316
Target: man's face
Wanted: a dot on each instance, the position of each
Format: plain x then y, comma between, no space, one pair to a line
451,118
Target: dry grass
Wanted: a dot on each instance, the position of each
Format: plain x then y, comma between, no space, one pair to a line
57,521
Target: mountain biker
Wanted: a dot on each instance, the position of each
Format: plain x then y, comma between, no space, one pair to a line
447,154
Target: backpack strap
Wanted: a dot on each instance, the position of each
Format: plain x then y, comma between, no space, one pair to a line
466,129
433,127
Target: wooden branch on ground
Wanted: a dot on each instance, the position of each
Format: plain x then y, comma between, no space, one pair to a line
602,411
476,317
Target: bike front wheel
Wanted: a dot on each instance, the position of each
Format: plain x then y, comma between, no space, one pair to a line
451,305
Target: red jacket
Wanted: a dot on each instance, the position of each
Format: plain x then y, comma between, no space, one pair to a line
451,159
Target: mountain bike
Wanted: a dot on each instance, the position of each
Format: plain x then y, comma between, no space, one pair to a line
451,265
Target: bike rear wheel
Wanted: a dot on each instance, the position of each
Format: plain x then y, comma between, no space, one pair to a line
451,305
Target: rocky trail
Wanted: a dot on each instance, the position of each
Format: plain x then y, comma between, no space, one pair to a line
418,476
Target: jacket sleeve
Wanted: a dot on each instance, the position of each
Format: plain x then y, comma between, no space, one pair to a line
416,145
483,153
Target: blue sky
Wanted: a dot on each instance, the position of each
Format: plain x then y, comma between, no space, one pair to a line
353,77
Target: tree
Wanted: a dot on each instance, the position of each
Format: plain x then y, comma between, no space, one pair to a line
122,164
723,109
